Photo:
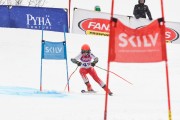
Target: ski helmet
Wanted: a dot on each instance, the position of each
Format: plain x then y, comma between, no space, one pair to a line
85,48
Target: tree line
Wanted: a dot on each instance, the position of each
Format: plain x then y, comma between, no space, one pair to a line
35,3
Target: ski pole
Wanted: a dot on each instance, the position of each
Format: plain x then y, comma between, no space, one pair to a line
70,77
114,74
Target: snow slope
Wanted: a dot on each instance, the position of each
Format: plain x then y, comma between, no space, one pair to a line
20,98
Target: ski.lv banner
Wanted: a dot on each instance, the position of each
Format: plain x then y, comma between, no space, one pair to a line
53,50
145,44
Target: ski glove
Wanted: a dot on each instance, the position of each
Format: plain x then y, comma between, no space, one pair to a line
78,63
93,64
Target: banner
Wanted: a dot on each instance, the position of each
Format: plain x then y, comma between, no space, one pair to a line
97,23
136,45
93,22
4,16
53,19
172,32
53,50
172,29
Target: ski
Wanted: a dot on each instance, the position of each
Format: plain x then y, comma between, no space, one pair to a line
85,91
94,92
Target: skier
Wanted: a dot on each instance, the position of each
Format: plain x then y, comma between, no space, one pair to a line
140,10
87,67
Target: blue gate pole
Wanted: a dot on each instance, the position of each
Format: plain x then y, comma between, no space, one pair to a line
66,56
41,59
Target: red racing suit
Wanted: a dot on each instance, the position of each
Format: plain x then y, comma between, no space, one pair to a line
86,68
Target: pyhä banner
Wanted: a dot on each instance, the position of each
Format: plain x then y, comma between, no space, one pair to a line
145,44
53,50
4,16
97,23
52,19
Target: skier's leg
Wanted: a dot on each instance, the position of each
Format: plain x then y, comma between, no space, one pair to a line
83,73
107,89
94,75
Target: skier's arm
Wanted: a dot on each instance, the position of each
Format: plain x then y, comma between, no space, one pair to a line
95,60
75,60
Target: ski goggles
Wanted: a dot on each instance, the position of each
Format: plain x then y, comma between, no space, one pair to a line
85,51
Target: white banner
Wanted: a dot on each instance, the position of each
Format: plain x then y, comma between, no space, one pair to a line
97,23
93,22
172,30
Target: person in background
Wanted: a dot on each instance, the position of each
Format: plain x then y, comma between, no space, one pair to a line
141,10
86,60
97,8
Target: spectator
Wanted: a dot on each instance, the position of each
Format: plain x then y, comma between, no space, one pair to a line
140,10
97,8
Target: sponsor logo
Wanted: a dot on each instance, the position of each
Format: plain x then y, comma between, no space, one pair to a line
53,50
95,26
171,35
35,22
145,41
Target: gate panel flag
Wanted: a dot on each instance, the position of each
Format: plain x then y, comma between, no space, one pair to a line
144,44
53,50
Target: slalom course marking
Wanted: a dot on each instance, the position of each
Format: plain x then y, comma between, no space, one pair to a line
31,92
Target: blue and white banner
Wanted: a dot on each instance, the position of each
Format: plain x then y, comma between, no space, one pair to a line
53,19
53,50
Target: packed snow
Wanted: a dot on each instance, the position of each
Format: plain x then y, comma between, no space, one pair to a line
21,98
